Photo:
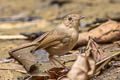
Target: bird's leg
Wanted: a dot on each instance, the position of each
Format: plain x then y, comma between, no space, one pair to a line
57,61
52,61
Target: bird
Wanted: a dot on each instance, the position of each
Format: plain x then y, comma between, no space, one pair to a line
58,41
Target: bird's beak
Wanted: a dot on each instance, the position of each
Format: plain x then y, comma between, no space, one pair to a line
81,17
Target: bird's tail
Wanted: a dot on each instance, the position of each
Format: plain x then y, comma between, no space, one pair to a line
22,47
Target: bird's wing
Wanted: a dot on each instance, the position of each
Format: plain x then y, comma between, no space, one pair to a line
39,39
34,43
52,38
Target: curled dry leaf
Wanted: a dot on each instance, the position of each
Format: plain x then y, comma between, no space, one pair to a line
85,66
94,50
25,58
107,32
98,55
80,69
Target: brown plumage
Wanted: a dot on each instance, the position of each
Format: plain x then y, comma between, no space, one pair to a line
60,40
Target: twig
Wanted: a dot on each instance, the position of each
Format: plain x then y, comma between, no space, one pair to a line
5,37
109,57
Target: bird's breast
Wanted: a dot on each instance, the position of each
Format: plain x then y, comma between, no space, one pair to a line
65,45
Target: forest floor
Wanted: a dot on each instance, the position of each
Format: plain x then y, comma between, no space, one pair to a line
19,16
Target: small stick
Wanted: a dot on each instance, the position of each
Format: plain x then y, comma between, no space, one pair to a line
109,57
8,37
102,65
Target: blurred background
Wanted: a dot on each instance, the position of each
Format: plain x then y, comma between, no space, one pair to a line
28,16
43,15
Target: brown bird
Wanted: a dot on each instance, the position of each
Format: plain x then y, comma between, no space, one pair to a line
59,40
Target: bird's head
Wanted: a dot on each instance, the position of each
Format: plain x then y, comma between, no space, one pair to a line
72,20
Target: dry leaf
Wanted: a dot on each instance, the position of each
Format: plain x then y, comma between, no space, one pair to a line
12,66
85,66
106,32
25,58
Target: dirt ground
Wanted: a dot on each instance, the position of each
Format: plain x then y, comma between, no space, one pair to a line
15,18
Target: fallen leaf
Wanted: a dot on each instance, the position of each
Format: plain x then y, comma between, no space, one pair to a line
12,66
106,32
26,58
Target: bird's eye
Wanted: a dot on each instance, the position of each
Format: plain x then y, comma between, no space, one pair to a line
69,18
